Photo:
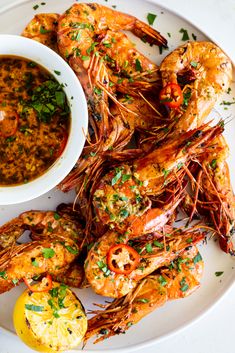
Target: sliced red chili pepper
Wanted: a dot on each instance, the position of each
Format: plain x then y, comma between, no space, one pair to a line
171,95
9,122
43,287
122,259
63,143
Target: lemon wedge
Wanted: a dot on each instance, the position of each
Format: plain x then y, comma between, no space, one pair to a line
50,321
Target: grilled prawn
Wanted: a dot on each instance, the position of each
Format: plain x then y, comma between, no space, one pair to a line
178,280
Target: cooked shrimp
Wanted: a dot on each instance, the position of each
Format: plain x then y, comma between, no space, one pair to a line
216,197
124,191
179,280
106,282
104,60
43,29
35,259
205,72
81,26
42,224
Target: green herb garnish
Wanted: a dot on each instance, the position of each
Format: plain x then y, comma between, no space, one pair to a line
185,34
151,18
48,253
36,308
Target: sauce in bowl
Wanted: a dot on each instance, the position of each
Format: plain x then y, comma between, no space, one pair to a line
34,120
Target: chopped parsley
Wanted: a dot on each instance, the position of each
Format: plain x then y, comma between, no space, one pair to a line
43,30
219,273
116,178
3,274
57,72
197,258
194,64
162,280
194,36
149,248
56,216
213,163
34,263
36,308
186,96
138,65
73,251
183,285
227,103
158,244
104,268
142,300
151,18
48,253
126,177
185,35
124,213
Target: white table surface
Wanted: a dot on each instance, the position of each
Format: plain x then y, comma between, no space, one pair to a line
214,332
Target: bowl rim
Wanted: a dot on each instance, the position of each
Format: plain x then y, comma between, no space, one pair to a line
27,48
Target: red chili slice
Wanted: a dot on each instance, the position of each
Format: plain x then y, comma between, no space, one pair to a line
9,122
171,95
44,288
122,259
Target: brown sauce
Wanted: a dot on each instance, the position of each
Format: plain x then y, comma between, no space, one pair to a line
34,120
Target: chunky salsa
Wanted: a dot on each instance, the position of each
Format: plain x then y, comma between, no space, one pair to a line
34,120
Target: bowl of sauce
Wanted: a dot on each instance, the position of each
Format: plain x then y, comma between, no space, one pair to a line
43,119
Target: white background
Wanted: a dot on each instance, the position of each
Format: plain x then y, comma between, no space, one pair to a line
214,333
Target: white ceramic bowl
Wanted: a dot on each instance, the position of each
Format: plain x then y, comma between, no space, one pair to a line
32,50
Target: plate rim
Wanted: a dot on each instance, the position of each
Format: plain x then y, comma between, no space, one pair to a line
220,296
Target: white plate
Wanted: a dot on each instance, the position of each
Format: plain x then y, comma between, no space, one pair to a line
174,315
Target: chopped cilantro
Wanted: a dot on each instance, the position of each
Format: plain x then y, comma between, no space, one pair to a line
35,7
194,36
57,72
